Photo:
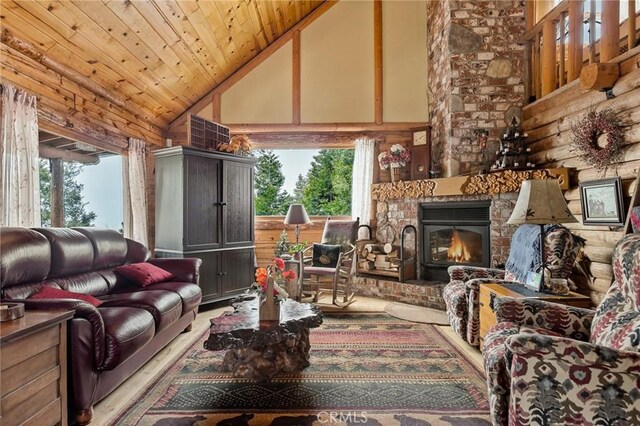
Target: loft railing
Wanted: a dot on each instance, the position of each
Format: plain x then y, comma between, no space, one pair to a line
554,46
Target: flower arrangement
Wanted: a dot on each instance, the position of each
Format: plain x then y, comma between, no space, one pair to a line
588,130
276,270
397,156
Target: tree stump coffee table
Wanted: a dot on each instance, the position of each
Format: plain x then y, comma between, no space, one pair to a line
262,349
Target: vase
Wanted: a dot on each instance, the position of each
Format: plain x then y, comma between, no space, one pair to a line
269,308
395,173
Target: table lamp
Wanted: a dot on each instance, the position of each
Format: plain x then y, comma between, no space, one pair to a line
541,202
297,215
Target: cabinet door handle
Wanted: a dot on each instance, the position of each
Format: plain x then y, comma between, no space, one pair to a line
220,274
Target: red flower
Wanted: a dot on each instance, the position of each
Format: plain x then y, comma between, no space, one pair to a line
289,275
279,263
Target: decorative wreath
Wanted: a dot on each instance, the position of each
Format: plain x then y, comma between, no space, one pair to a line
588,130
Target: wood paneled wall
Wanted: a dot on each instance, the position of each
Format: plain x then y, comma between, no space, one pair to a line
70,110
548,122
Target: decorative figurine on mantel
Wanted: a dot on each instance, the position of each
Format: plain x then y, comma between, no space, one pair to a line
513,153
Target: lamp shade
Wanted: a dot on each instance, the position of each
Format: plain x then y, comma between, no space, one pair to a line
296,215
541,202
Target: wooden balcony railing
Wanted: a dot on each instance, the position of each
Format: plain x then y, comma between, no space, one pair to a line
554,46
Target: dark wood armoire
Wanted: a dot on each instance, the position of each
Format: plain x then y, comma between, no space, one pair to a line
204,209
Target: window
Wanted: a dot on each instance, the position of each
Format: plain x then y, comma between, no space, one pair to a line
92,194
319,179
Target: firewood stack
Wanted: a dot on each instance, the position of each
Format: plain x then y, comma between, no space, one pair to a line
378,257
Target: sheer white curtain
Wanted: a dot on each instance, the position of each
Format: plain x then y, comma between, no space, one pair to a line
362,180
20,175
135,192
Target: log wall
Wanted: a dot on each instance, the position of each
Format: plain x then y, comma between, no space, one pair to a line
73,111
548,123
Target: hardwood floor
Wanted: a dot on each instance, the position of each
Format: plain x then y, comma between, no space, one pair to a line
106,410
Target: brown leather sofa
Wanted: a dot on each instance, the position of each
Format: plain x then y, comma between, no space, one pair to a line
108,343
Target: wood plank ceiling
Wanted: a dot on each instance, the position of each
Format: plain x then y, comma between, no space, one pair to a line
160,55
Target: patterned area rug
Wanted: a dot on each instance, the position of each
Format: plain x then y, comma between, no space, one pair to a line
366,369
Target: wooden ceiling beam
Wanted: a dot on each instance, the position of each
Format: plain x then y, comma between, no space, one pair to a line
252,64
50,152
323,127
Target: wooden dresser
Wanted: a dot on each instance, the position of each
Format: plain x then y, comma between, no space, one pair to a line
33,360
489,292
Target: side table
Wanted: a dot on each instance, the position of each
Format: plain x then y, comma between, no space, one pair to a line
489,292
33,350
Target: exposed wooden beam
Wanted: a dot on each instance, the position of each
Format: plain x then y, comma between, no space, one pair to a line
548,57
296,89
64,155
216,101
592,31
323,127
576,15
57,193
631,25
377,60
31,51
562,78
610,30
253,63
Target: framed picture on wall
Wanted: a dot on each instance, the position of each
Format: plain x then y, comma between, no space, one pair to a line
601,202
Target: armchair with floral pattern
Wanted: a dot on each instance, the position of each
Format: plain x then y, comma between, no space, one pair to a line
553,364
462,294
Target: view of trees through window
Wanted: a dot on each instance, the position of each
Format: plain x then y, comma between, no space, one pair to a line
75,209
92,193
325,188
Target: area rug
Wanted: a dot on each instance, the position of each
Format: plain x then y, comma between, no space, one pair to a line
416,313
366,368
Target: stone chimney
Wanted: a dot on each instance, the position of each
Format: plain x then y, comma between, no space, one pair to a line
475,76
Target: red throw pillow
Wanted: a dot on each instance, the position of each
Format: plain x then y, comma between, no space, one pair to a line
48,292
144,273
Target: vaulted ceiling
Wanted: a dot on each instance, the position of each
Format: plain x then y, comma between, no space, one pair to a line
161,55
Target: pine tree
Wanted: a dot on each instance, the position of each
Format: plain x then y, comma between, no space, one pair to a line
298,191
75,213
270,198
328,190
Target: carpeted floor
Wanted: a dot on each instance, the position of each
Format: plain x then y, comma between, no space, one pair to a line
366,368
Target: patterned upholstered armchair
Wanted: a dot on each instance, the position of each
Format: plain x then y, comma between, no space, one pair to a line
462,293
554,364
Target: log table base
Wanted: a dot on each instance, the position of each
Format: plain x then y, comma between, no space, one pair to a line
260,350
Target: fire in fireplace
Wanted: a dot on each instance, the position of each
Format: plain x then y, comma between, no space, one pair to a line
453,233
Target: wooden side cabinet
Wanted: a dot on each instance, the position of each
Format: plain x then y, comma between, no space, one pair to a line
490,292
33,359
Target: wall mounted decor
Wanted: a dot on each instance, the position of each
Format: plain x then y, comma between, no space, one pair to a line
601,202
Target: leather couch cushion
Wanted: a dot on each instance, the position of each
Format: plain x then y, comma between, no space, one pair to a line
190,294
127,330
48,292
88,283
26,256
71,252
109,247
144,273
137,252
164,306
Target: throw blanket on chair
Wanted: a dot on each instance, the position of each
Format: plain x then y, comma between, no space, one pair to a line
524,255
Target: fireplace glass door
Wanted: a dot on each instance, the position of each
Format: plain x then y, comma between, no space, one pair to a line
455,245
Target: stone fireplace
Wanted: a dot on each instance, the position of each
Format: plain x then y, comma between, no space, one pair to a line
453,233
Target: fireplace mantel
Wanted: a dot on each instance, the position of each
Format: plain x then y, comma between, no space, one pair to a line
488,184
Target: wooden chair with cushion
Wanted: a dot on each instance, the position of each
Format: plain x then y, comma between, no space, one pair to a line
329,265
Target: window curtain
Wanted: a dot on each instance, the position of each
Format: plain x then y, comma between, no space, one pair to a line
362,180
135,192
20,175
